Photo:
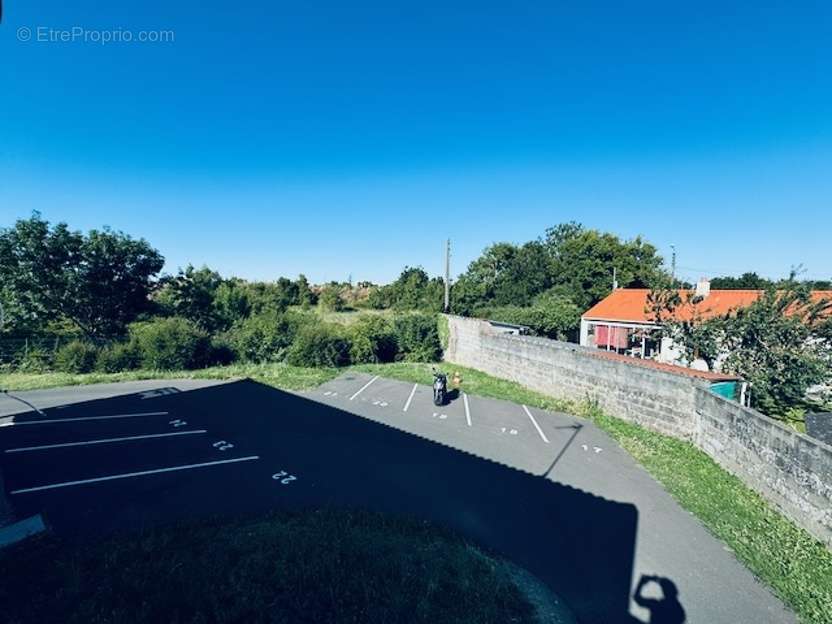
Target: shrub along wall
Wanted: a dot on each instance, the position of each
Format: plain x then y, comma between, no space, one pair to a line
301,339
789,469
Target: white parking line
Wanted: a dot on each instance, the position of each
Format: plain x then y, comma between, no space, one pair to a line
63,420
128,475
536,426
364,387
103,441
467,409
410,398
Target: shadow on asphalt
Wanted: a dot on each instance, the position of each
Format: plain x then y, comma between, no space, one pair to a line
580,545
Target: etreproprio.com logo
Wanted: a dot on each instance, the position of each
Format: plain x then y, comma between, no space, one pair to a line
81,34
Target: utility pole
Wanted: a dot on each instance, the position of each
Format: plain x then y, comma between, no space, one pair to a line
614,279
448,276
673,265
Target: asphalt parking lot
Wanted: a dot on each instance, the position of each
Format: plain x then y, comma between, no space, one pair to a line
547,490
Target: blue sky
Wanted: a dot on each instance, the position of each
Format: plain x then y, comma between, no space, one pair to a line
275,138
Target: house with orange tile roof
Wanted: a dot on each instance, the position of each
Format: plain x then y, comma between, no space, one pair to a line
623,322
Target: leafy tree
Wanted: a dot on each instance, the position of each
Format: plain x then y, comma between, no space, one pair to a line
330,299
269,297
583,262
746,281
417,336
373,340
380,298
76,357
412,290
305,297
16,317
556,315
99,281
577,262
781,343
232,303
190,294
820,284
408,289
552,315
415,290
467,294
778,344
319,344
171,344
118,356
287,290
509,275
261,338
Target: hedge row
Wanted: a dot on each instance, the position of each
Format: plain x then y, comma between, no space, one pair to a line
299,339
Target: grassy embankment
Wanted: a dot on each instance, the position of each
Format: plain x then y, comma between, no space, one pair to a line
797,567
317,566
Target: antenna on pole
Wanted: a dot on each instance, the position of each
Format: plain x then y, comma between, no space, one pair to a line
673,264
447,307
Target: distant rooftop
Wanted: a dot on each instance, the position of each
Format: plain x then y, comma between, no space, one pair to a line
630,304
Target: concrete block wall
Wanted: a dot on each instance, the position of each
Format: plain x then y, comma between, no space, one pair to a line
791,470
660,400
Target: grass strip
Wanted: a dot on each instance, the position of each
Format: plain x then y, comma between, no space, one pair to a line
288,567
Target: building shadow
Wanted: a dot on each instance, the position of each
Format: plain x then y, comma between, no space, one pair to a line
582,546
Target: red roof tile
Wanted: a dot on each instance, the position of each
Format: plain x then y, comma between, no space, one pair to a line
667,368
630,304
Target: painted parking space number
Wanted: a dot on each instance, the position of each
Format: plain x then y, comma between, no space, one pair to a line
284,477
178,423
222,445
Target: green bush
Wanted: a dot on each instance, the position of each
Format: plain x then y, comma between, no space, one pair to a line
551,315
379,298
76,357
222,352
117,357
319,345
34,361
171,344
262,338
373,341
331,300
418,337
444,330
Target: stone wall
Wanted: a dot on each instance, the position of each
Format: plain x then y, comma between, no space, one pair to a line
791,470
